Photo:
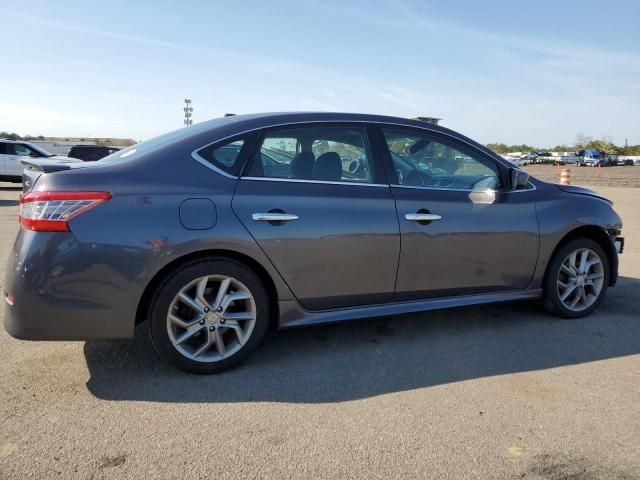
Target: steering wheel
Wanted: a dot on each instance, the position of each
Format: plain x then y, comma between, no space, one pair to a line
418,178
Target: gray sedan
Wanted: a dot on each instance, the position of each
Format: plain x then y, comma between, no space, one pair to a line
214,233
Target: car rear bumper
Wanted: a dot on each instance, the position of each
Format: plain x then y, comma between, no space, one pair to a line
52,291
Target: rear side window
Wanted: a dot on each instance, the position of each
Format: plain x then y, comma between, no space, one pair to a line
320,153
228,155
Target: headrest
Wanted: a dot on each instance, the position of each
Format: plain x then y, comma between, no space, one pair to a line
302,165
328,167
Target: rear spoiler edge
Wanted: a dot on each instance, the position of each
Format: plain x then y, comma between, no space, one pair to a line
44,166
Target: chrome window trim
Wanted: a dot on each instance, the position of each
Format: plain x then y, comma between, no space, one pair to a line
323,182
206,163
417,187
525,190
198,158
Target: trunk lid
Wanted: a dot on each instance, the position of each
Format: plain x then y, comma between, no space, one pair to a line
35,168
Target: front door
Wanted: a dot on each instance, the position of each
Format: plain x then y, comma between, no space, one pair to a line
316,202
462,232
3,156
16,153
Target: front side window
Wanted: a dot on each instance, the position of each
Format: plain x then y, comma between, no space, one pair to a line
420,160
21,150
337,154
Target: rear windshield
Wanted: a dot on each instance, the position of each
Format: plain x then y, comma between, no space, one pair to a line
134,151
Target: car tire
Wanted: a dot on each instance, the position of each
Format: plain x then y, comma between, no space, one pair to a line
205,304
593,281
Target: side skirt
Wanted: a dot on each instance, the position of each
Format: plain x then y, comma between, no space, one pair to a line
293,315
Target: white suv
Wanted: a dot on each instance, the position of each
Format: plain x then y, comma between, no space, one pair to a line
13,151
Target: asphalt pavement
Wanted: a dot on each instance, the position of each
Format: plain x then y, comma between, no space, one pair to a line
490,392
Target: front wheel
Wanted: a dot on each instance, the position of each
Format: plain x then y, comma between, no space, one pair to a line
577,279
209,315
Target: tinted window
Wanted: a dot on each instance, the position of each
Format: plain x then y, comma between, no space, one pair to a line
134,151
330,153
88,153
19,150
424,161
225,156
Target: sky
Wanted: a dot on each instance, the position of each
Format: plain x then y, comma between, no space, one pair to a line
498,71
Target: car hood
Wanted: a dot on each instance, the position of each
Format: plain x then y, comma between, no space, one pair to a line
582,191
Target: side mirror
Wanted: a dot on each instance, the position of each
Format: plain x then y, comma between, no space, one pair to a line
519,179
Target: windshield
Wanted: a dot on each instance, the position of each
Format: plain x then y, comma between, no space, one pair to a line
40,150
135,150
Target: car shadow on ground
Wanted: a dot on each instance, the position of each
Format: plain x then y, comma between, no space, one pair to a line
360,359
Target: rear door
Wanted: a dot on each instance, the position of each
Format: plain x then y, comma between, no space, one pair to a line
317,202
462,232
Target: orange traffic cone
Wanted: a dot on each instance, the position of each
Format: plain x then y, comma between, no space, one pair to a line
565,177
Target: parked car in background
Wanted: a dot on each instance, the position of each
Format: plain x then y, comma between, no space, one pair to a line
626,161
546,158
543,157
529,157
91,153
13,152
517,161
591,158
213,233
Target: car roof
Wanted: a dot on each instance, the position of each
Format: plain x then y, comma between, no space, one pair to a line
89,146
237,124
262,120
226,127
202,134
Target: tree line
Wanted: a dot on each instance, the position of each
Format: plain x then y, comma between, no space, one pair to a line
15,136
28,138
581,142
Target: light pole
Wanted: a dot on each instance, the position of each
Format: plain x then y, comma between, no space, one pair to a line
188,111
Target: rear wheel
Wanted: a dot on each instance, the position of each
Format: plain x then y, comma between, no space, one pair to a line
577,279
209,315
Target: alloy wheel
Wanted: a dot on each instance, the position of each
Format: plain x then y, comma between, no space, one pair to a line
211,318
580,279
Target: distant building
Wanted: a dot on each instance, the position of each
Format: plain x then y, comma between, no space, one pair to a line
432,120
58,147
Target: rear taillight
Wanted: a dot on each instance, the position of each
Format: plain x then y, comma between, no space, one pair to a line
51,211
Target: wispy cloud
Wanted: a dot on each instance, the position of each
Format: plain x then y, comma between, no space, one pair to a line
313,74
473,76
406,15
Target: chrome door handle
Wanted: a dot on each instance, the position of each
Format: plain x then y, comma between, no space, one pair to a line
274,217
422,217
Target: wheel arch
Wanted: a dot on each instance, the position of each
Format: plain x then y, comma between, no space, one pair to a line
255,266
601,237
